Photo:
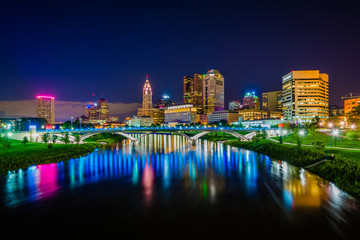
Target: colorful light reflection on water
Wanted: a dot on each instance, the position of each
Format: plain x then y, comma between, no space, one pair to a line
167,163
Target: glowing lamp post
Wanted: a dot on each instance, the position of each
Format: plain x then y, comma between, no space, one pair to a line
335,132
353,126
330,125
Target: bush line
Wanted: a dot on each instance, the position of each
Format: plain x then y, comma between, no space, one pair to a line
16,160
345,173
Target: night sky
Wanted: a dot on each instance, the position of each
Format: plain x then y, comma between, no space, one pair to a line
74,50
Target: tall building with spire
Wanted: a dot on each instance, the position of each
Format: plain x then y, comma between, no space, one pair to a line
147,106
213,92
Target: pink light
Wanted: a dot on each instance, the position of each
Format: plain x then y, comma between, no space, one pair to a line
51,97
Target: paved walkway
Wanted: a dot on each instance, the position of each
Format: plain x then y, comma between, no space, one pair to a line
341,148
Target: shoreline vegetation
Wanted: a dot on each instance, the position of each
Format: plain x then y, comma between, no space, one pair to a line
25,155
343,172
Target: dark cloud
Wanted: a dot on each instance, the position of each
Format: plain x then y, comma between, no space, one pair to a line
64,110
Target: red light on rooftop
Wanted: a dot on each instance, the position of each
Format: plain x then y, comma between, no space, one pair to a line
49,97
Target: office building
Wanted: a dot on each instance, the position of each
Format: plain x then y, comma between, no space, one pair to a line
147,105
305,95
193,87
262,123
102,110
251,101
144,121
45,108
164,102
202,119
213,92
91,111
335,110
158,115
234,105
184,113
350,105
271,101
253,114
228,116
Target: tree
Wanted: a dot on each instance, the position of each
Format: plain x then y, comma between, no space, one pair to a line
25,141
54,138
77,138
312,132
352,136
257,137
6,143
315,121
264,134
354,116
46,138
298,137
281,141
66,138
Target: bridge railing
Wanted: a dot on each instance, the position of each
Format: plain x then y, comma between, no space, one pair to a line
192,128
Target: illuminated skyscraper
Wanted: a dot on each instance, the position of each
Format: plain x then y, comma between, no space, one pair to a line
102,109
271,101
213,92
251,101
147,106
193,90
305,95
90,111
45,108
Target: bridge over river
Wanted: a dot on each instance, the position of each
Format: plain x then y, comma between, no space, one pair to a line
136,133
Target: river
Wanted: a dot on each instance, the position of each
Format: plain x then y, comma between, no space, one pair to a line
165,187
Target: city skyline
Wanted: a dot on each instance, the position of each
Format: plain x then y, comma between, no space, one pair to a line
252,52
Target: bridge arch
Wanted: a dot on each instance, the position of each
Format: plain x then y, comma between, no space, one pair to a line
197,136
128,136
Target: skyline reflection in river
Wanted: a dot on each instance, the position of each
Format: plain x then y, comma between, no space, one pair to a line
167,170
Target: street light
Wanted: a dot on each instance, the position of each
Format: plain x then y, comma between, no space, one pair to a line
302,133
71,122
353,126
330,125
335,134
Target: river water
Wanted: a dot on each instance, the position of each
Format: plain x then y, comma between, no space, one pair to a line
165,187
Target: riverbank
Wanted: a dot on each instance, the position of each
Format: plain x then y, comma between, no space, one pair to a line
19,156
345,173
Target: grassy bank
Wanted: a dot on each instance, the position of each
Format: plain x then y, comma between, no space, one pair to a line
345,173
20,156
327,139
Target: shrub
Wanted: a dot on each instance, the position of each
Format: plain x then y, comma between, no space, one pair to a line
343,172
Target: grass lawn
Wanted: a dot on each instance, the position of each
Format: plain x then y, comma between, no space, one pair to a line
328,140
17,146
349,154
